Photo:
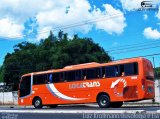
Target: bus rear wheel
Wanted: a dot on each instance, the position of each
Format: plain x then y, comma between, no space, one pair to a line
37,102
116,104
103,101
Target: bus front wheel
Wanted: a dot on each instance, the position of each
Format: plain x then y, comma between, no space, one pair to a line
103,101
37,102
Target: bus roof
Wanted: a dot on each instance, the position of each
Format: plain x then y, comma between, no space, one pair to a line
86,65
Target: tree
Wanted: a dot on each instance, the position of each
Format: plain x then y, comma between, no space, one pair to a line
157,72
48,54
60,35
19,62
75,36
51,36
65,36
1,73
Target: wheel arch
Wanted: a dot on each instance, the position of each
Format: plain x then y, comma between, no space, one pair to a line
102,93
36,98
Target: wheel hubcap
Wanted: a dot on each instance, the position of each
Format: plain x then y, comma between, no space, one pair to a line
103,101
37,103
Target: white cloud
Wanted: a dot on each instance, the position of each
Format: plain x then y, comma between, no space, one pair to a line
145,16
150,33
21,10
158,14
131,4
8,28
53,13
44,34
57,17
114,22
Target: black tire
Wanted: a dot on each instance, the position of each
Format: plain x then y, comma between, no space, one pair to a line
103,101
37,102
116,104
53,106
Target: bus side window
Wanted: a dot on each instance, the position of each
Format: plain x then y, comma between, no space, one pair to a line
45,78
112,71
65,76
90,73
50,78
99,72
121,70
103,72
84,74
131,69
78,75
46,81
56,77
34,80
61,76
71,75
40,79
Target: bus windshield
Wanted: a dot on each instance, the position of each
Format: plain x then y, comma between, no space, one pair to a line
25,86
149,72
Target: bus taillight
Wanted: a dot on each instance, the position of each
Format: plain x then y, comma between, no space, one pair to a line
143,84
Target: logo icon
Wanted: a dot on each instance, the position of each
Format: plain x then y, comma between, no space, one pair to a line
148,5
118,81
119,86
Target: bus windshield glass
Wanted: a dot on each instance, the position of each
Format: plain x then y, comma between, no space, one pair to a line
149,72
25,86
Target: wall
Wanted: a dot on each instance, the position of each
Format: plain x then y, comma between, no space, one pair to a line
157,91
8,98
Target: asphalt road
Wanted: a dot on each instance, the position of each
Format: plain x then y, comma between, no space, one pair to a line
81,112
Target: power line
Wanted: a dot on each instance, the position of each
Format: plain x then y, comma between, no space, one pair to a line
136,50
128,45
91,21
149,55
141,44
84,22
66,26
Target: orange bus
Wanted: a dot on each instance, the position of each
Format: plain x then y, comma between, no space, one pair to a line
108,84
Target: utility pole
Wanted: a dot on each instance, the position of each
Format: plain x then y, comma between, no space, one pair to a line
153,63
154,67
153,100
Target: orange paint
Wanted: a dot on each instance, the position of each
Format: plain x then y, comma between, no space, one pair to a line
119,88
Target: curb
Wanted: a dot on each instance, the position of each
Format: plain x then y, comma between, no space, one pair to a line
84,105
74,111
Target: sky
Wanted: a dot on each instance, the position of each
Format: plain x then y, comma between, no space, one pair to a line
122,27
